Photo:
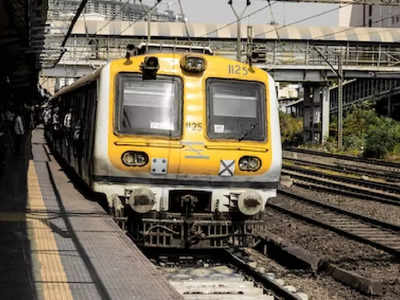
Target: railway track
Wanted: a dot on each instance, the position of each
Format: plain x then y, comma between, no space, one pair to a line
359,188
213,282
364,229
338,189
392,188
391,166
219,275
348,169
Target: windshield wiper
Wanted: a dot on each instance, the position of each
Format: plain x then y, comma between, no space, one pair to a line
247,132
126,118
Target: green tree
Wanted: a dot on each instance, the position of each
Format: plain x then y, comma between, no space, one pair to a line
383,138
355,128
291,129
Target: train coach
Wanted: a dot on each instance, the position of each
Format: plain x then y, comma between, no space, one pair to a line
185,146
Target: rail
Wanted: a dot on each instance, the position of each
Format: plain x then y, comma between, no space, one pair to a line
361,228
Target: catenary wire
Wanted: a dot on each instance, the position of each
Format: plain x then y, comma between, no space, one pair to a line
240,19
302,20
352,28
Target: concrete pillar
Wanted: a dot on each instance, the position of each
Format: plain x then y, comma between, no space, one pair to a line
316,113
325,105
316,129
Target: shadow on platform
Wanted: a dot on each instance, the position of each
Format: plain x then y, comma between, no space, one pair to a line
16,266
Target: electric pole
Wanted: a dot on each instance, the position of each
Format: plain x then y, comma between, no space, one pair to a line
340,102
148,16
249,47
239,34
148,30
339,74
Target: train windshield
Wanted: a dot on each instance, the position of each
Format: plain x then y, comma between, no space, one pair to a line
149,106
236,110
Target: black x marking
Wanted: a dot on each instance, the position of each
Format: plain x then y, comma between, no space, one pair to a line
226,167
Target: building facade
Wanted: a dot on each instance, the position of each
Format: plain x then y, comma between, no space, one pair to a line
369,16
127,10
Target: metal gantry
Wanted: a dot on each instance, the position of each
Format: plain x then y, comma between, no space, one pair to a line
271,55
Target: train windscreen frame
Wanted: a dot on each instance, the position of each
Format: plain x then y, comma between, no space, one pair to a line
236,109
149,107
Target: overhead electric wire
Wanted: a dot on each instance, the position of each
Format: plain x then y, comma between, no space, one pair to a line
71,26
184,19
273,19
302,20
385,18
353,27
269,5
276,29
113,18
240,19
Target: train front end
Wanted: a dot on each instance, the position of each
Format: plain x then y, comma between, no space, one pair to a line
187,148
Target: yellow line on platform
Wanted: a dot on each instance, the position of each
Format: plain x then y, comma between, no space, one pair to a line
53,280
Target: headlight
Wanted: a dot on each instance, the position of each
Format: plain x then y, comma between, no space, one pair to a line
134,159
249,163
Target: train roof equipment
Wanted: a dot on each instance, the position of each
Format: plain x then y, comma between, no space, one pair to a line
144,48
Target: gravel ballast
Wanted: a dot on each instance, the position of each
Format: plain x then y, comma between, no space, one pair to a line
347,254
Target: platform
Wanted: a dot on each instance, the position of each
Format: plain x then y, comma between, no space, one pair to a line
55,244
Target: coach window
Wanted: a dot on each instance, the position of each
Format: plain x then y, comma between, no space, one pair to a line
149,106
236,110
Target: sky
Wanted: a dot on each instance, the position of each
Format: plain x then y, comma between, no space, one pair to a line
219,12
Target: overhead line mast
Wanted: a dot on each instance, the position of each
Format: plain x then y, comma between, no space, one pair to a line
239,34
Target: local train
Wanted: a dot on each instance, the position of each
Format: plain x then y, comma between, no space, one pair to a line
185,145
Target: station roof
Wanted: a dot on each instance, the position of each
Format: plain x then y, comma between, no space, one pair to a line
220,31
22,24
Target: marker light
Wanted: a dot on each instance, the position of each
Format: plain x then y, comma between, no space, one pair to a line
249,163
193,63
134,159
